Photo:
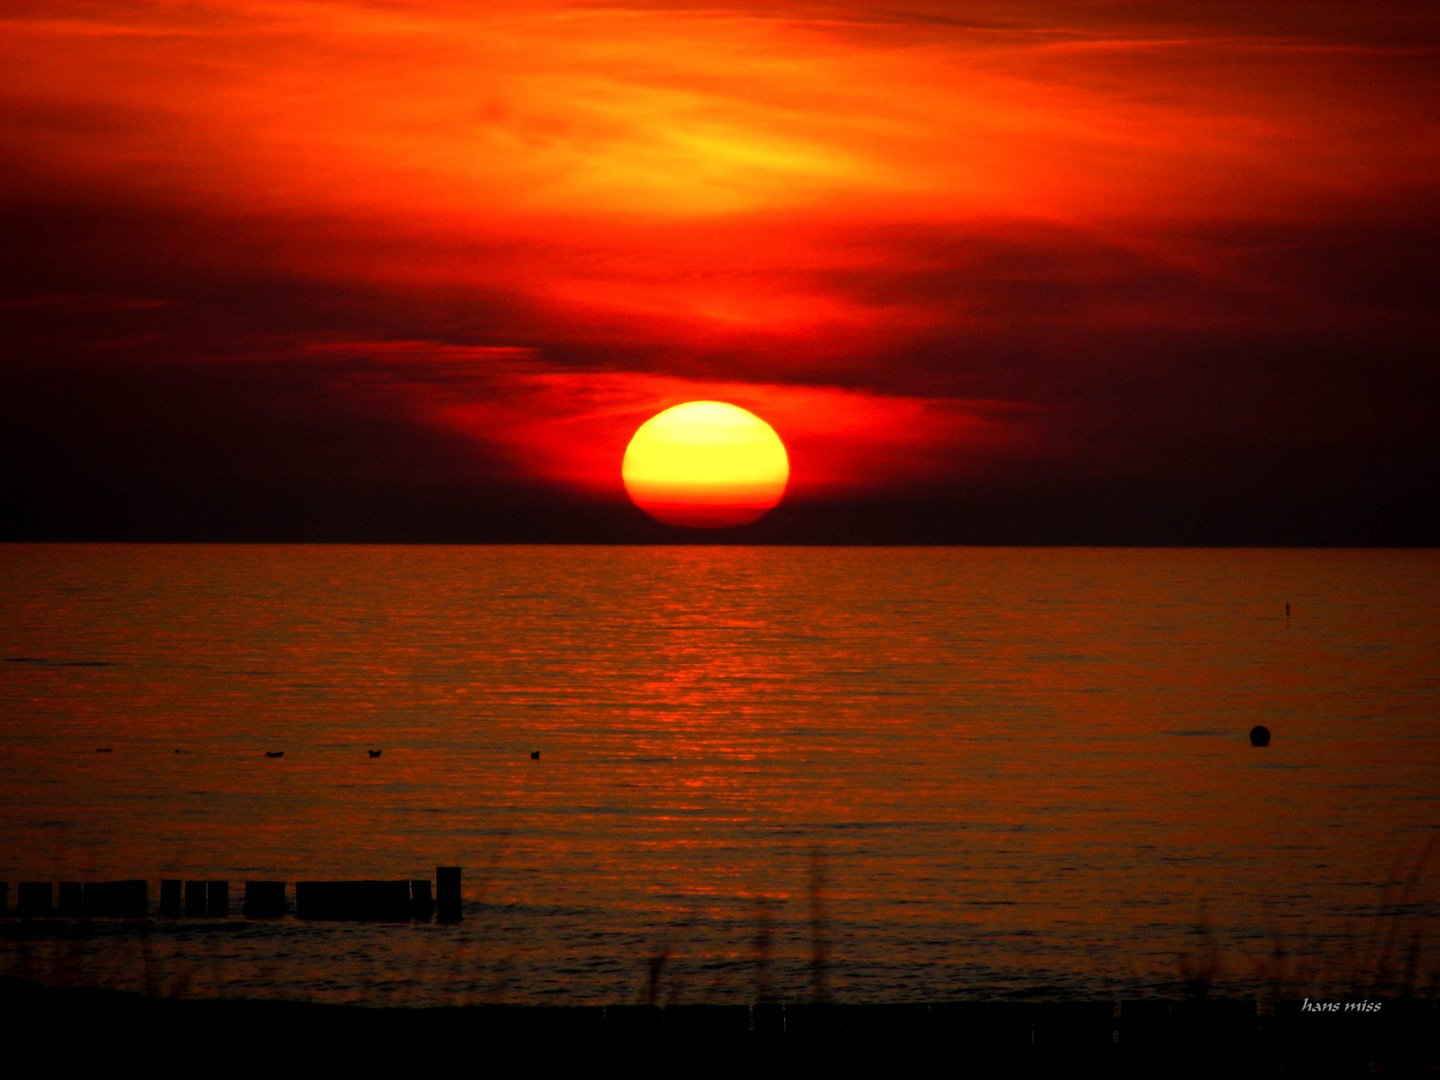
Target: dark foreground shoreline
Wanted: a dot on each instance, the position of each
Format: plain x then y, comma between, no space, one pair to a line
1195,1036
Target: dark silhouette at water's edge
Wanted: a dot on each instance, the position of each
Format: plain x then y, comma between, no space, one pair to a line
1398,1039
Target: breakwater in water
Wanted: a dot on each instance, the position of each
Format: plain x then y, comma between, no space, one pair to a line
414,899
964,773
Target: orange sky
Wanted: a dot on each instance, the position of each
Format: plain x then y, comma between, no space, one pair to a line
1041,258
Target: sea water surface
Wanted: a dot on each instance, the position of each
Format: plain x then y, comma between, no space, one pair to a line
857,774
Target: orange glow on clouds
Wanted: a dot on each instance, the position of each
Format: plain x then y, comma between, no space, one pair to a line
840,442
521,115
705,464
928,246
569,429
665,173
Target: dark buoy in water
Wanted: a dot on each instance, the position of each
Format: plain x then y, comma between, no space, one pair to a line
1259,735
534,755
373,753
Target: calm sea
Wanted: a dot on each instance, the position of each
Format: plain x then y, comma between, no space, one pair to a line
862,774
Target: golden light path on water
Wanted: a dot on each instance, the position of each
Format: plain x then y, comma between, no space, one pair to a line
978,771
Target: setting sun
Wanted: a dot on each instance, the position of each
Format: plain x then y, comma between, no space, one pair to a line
705,464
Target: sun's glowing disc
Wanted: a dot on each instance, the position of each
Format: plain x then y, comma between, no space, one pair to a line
705,464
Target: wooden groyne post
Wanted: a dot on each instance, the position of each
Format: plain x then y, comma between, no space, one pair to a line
378,901
264,899
381,901
195,899
447,893
128,899
116,899
32,898
422,902
72,898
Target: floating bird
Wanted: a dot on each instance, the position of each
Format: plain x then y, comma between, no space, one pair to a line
103,750
373,753
274,753
534,755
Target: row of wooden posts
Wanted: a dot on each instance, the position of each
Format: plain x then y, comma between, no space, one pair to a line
387,901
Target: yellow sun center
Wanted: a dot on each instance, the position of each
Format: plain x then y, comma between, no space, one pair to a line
705,464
